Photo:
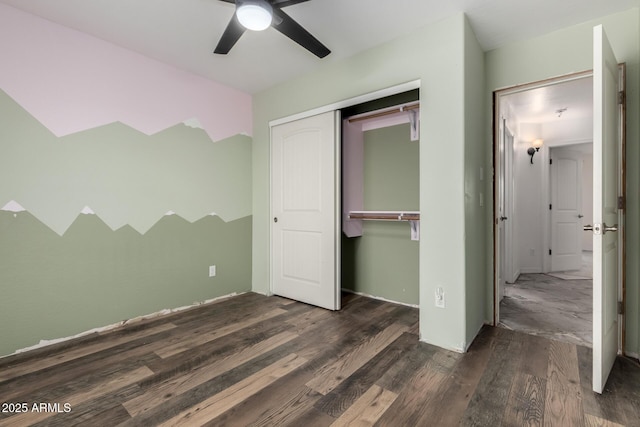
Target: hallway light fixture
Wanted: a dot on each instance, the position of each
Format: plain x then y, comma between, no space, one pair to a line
255,15
535,147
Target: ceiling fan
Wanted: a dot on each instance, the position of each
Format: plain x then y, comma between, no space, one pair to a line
258,15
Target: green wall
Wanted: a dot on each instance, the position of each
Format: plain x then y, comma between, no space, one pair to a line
477,201
567,51
57,286
383,262
125,176
436,56
63,272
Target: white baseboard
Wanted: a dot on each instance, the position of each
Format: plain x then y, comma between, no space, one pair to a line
632,355
380,298
45,343
467,345
515,276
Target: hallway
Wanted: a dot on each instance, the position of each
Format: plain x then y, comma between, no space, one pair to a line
553,305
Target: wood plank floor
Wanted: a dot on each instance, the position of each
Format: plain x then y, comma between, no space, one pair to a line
259,361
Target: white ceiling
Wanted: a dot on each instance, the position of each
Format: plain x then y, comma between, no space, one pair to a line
542,105
564,110
184,32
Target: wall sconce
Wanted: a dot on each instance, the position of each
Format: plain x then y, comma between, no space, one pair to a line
535,147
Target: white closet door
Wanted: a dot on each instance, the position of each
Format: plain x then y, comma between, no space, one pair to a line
304,235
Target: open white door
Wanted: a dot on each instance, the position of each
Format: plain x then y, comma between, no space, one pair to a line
304,182
502,209
606,172
566,206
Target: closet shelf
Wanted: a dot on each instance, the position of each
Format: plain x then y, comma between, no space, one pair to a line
385,215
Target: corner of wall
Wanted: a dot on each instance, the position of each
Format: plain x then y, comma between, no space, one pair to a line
477,200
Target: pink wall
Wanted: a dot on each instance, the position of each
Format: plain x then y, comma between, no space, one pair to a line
71,82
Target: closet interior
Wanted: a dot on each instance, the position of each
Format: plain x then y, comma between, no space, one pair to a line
380,198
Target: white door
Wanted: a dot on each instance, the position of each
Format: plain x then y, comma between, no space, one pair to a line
566,206
304,236
510,247
606,171
502,209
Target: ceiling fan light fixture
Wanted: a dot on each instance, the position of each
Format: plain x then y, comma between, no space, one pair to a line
255,15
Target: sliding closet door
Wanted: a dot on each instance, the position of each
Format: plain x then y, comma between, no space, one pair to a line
304,217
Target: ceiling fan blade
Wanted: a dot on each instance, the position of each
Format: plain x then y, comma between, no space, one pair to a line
284,3
295,32
230,36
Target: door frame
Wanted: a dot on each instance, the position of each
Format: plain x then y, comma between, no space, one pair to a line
497,94
336,106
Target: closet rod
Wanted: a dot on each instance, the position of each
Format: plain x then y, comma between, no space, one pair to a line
385,113
385,215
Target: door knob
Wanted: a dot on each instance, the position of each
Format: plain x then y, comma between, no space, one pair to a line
275,219
580,216
503,218
600,228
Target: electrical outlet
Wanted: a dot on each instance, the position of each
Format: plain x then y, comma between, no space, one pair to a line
212,271
439,297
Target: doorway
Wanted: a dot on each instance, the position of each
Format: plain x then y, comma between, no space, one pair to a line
557,303
530,204
608,228
380,199
544,278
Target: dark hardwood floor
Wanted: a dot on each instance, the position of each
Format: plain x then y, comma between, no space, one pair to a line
255,360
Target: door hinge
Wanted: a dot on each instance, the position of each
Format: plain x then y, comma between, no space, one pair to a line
621,97
549,251
549,206
620,307
550,161
621,203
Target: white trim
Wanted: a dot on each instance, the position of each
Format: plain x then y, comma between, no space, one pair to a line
362,294
467,345
531,270
632,355
45,343
563,78
460,349
515,276
566,142
269,292
382,93
337,214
